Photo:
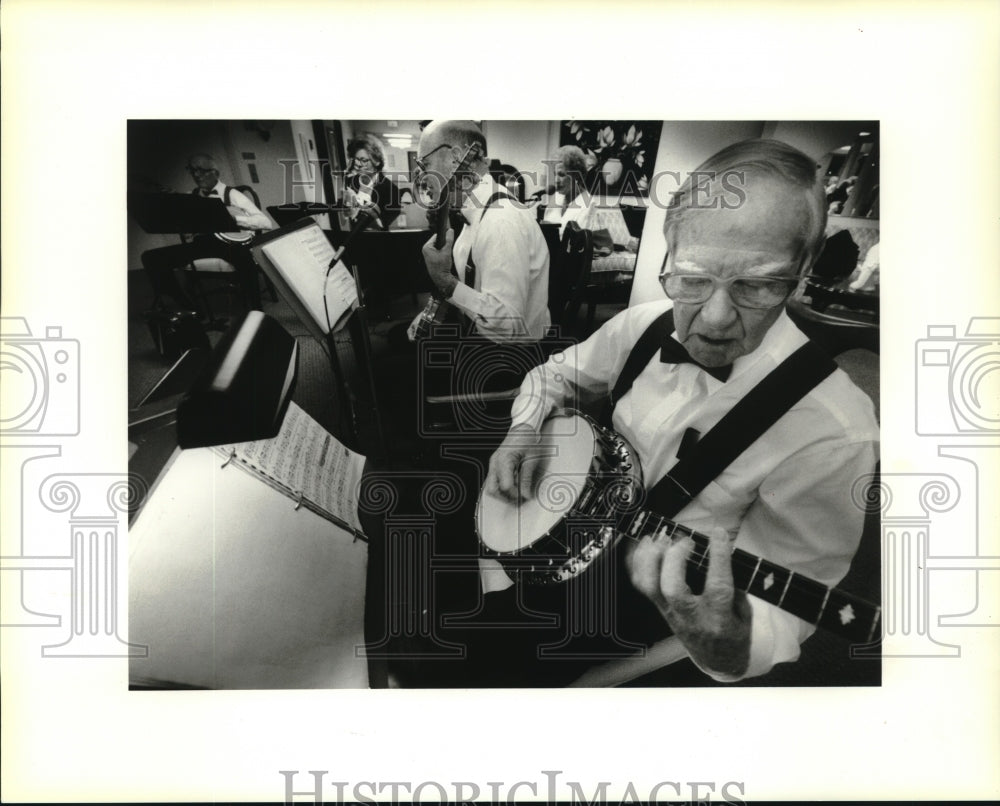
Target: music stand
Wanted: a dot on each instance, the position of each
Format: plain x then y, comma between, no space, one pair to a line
353,321
285,214
174,213
177,379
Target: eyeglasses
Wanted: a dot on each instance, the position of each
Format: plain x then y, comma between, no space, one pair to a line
747,291
362,160
422,162
201,171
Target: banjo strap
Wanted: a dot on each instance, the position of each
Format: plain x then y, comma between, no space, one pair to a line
470,264
754,414
643,350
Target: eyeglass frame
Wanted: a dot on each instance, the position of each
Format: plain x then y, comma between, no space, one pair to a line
717,281
420,163
201,171
362,160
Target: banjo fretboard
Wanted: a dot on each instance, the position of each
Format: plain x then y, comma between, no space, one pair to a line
829,608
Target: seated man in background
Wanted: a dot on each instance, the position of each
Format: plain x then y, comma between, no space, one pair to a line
501,261
730,266
366,184
161,263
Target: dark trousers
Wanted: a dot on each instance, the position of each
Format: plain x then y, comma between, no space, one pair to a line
160,265
436,627
548,635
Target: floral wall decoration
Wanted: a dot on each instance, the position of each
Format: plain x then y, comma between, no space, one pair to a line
620,153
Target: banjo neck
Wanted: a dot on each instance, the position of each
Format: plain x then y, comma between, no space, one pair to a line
813,602
569,525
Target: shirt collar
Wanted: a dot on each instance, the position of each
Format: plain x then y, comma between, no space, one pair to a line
478,197
581,199
781,340
218,190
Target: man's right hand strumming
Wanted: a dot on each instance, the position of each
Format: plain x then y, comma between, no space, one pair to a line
514,465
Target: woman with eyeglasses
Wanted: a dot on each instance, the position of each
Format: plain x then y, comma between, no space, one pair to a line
366,184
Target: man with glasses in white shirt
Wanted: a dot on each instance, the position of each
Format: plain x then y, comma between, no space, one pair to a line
500,259
738,238
161,263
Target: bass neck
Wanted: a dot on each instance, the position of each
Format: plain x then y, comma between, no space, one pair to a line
436,310
832,609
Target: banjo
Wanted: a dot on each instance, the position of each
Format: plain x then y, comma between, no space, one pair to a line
589,496
240,237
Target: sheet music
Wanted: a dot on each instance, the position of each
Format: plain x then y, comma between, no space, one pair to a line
307,459
302,257
231,588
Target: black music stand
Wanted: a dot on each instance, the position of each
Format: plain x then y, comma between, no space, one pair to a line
353,322
177,379
289,213
181,214
176,213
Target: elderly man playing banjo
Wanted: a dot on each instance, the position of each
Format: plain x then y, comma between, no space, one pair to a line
744,433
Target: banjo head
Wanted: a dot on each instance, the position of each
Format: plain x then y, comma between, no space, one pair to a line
568,444
241,237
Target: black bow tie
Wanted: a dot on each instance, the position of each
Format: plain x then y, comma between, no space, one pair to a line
673,352
207,193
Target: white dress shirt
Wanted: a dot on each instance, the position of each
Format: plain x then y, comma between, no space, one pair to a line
579,210
787,498
509,296
249,216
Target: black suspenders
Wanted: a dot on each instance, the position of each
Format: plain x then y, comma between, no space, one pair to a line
754,414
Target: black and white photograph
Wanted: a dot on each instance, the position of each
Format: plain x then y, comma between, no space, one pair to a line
499,403
566,446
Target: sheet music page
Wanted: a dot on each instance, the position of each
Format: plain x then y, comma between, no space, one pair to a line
302,257
233,589
306,458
